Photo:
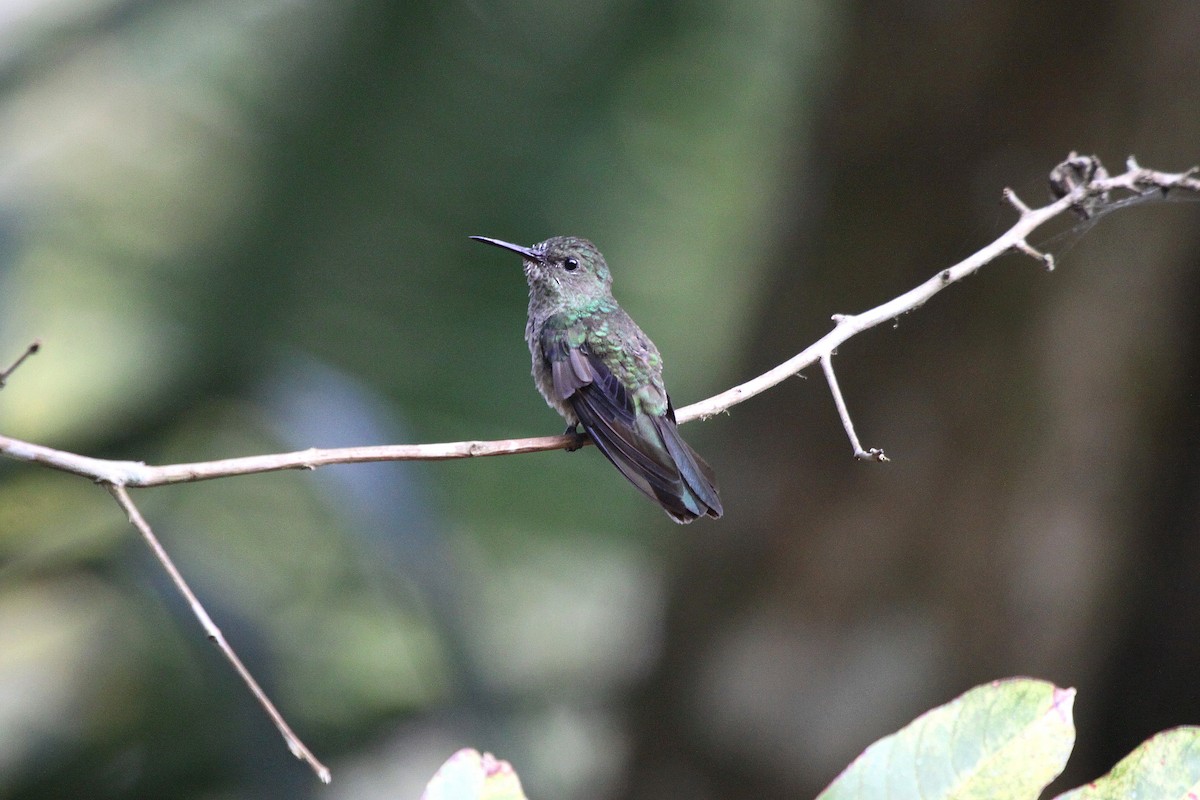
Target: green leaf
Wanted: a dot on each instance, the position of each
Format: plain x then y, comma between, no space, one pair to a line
467,775
1007,739
1164,767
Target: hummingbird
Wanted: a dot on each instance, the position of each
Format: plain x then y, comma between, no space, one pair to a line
595,367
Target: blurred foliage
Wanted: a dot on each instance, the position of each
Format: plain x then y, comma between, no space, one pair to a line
1005,741
239,226
467,775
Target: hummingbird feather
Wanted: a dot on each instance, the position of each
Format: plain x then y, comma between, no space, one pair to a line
641,440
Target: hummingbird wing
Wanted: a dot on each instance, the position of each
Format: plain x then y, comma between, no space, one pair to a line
632,422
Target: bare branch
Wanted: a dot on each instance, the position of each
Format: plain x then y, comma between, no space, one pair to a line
33,347
874,454
214,633
1136,181
136,474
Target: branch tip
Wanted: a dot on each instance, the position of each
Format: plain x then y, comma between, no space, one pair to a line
32,348
1016,202
1026,248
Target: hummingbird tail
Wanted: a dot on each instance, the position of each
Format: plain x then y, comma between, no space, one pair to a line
698,491
644,446
652,456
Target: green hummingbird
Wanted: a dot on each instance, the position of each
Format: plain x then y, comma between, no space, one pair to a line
597,369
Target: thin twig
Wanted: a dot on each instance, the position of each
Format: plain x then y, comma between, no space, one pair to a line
33,347
214,633
874,454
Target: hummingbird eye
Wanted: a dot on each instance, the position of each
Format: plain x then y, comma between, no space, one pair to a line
571,264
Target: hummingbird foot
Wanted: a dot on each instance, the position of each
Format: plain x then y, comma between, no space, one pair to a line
580,438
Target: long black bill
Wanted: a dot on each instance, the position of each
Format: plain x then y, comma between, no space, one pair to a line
528,252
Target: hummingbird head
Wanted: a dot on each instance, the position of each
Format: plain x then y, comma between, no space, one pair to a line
562,267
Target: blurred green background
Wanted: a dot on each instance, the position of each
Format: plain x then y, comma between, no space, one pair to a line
239,227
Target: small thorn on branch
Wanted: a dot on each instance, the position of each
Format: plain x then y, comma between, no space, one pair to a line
33,347
1016,202
1037,255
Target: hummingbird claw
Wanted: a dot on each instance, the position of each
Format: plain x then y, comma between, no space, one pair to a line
573,430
